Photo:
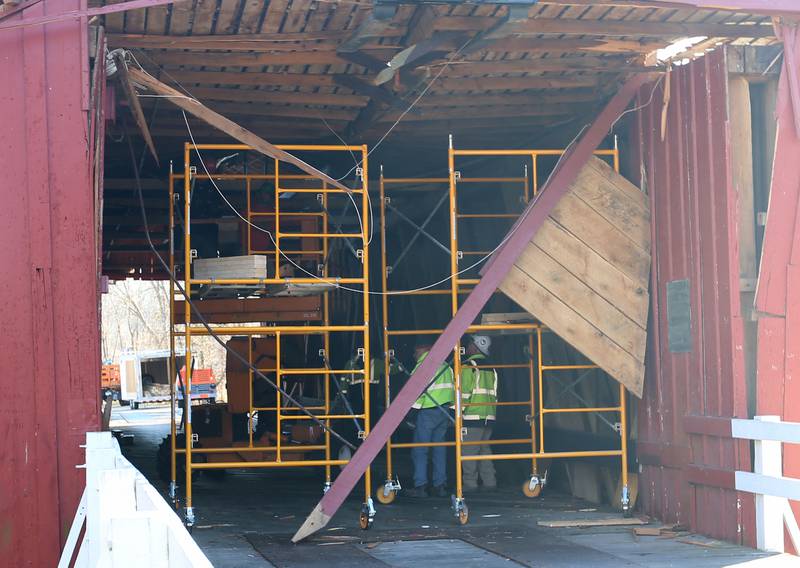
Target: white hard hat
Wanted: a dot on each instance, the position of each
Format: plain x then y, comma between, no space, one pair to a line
482,342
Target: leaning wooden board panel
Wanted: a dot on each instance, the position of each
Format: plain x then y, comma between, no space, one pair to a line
585,273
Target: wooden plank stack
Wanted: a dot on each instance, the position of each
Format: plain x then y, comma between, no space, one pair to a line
248,266
585,274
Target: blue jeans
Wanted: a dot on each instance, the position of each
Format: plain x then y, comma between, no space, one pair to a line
432,426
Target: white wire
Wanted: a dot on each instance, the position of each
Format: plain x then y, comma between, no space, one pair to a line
640,107
355,161
322,279
412,105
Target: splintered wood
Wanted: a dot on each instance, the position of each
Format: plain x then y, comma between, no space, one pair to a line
585,273
583,523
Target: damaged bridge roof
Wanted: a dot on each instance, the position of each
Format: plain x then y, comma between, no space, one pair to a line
283,63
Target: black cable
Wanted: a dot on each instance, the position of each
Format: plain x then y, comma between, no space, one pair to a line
200,317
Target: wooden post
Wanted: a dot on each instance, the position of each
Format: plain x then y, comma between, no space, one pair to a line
769,509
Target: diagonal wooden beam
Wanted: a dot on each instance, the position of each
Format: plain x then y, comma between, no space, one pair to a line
503,260
133,101
227,126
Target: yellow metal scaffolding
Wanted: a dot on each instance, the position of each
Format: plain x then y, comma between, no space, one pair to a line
313,245
537,371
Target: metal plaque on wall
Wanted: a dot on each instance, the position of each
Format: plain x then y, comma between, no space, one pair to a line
679,316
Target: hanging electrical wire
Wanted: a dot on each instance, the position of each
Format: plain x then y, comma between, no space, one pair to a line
203,320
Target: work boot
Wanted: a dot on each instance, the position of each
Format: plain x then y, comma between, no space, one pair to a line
469,489
488,488
420,492
440,491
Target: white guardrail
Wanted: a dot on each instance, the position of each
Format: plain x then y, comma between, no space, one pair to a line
772,490
127,521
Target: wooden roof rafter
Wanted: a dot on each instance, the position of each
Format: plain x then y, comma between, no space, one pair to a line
284,58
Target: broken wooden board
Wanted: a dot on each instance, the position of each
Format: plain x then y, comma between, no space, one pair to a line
585,274
580,523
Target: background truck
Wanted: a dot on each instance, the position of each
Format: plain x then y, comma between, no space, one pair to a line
144,377
109,381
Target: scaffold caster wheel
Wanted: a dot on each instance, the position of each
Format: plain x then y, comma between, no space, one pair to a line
364,521
531,490
385,496
367,515
463,515
188,520
625,498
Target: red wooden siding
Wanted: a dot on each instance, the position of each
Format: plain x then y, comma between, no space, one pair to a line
49,347
686,454
778,292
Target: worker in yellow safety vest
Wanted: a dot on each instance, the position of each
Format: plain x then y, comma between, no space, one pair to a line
431,423
478,398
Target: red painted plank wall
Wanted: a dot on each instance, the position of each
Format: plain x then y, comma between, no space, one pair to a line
49,344
686,456
778,292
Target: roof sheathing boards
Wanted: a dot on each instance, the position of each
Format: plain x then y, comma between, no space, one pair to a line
305,78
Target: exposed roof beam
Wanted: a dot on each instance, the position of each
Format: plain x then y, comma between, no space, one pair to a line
434,47
767,7
384,96
539,64
528,98
227,126
133,101
520,83
484,111
513,22
609,27
224,59
364,59
550,45
374,25
236,42
421,25
365,119
332,115
256,79
274,97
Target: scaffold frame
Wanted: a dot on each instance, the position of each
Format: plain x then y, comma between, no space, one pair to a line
459,286
189,327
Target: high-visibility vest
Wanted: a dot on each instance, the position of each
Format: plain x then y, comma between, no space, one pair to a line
441,392
478,386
